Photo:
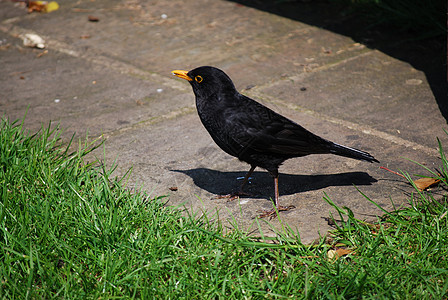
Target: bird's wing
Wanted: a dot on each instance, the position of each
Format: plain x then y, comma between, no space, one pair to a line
260,129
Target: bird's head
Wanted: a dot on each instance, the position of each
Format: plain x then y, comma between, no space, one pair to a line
207,81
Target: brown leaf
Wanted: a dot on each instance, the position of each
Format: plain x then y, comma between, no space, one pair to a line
341,252
424,183
42,6
173,188
335,254
36,6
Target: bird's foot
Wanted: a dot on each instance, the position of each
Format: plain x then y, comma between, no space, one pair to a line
273,212
233,196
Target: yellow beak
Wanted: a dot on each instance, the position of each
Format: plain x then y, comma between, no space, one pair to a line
181,74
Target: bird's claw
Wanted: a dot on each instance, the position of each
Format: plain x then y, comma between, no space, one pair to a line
233,196
273,212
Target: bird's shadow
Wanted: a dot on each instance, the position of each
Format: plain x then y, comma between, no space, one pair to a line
261,184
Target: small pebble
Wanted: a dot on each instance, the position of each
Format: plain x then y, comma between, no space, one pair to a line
159,90
93,19
303,89
57,100
164,16
414,82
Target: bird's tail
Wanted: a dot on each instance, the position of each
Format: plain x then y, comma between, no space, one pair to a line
351,153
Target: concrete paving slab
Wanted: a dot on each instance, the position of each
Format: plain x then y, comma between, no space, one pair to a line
112,77
10,11
78,95
257,47
387,102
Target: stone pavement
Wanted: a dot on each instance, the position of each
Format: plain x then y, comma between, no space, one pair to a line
112,78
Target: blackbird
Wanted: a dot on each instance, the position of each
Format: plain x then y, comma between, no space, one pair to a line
252,132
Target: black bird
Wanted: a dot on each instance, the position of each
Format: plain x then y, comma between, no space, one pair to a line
252,132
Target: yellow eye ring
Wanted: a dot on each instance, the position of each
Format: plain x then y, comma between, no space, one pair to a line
198,79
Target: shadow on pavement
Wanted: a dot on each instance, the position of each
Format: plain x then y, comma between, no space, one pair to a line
426,55
262,185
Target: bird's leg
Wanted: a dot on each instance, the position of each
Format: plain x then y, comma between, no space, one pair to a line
278,208
240,192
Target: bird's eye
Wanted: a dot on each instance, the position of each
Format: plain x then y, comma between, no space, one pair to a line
198,79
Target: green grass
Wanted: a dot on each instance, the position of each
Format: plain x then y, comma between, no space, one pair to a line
70,230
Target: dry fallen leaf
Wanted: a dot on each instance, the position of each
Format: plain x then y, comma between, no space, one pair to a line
42,6
35,6
52,6
341,252
424,183
173,188
335,254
